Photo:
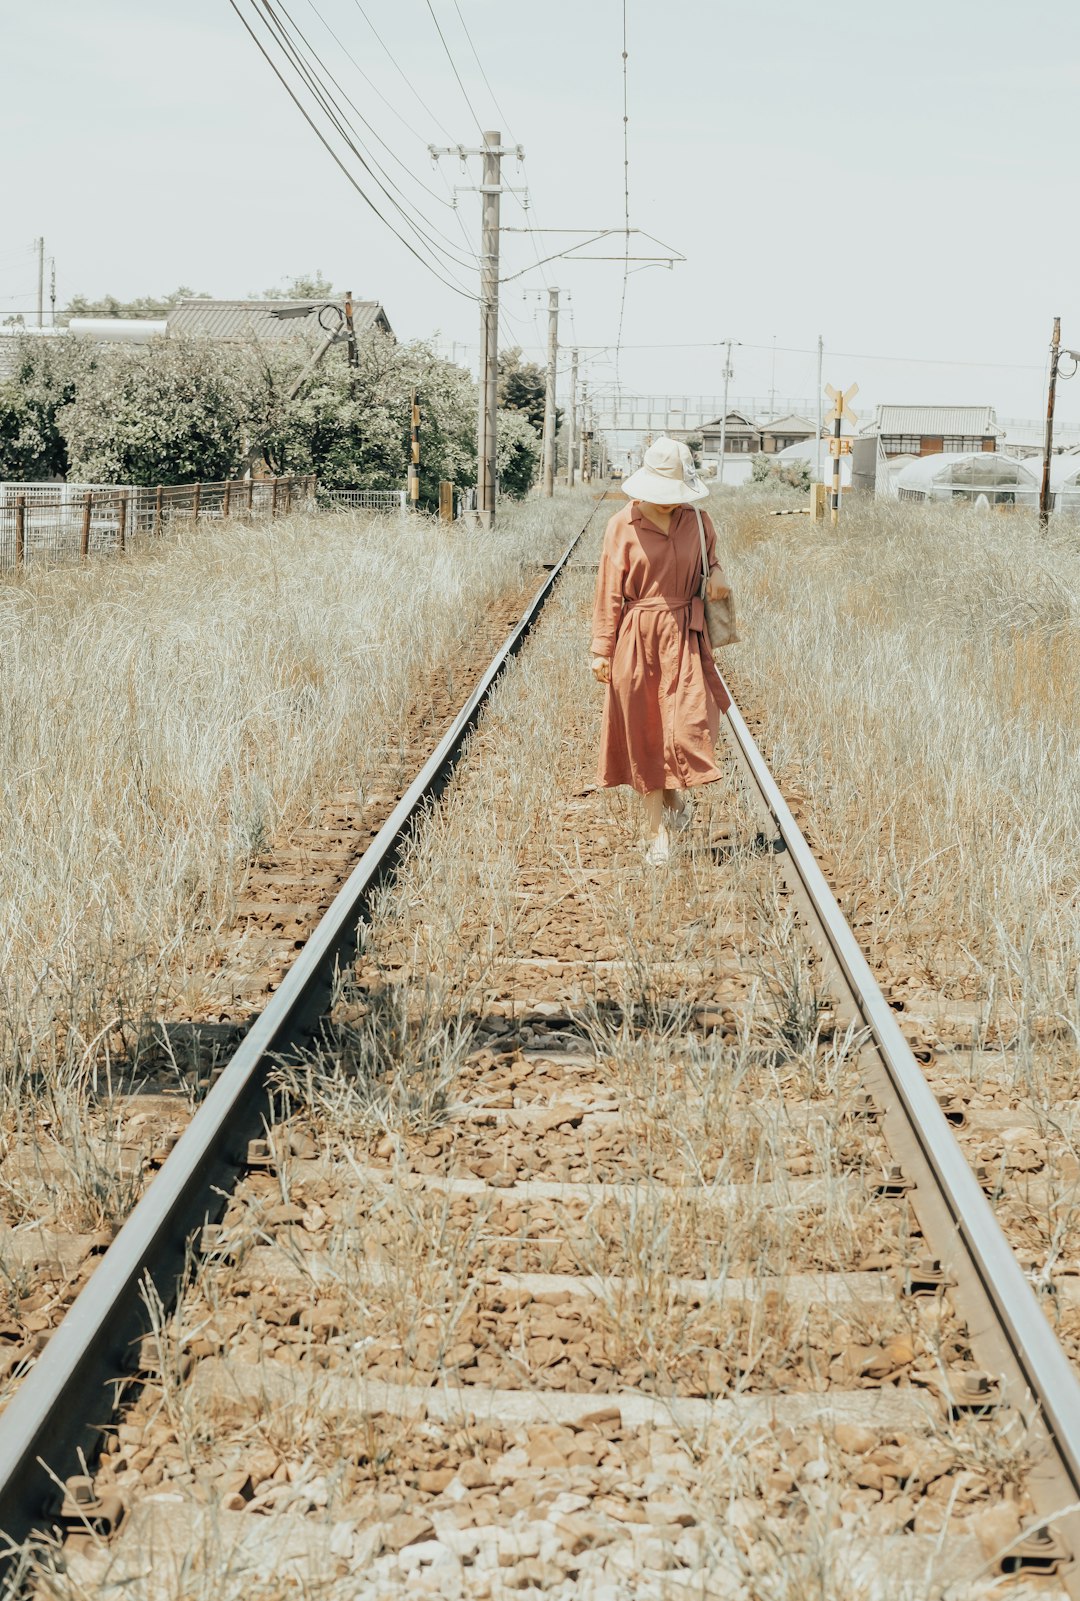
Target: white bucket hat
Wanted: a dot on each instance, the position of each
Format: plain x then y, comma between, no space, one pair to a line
666,477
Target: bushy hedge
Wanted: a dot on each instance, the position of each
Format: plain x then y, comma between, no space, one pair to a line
174,411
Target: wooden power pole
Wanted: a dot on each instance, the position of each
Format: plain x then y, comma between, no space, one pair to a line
549,392
414,453
352,355
40,282
1044,491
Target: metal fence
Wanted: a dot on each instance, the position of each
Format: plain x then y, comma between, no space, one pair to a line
57,522
367,499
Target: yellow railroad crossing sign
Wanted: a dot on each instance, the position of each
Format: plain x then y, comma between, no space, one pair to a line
839,447
840,399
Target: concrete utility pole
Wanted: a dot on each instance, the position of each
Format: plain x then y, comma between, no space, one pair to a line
1044,492
487,434
40,282
586,436
488,408
549,392
723,410
571,422
820,380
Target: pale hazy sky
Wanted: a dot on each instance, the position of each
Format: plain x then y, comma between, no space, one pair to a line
900,179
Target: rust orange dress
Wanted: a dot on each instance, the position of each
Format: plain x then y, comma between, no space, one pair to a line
665,699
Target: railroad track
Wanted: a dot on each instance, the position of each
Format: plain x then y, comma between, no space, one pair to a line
606,1240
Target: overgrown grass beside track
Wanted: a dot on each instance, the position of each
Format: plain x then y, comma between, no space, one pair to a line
164,716
917,671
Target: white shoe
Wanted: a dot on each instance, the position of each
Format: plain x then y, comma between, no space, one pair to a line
659,852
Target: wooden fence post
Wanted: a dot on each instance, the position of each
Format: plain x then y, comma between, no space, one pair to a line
20,530
446,501
157,510
273,498
225,499
288,494
122,522
198,499
87,504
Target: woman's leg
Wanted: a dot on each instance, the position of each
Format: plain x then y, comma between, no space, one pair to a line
654,808
674,800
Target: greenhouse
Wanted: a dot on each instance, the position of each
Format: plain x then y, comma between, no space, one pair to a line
984,477
1064,482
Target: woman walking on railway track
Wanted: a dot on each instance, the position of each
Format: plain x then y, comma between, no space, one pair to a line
649,646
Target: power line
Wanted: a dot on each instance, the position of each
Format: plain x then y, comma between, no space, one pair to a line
338,118
503,118
389,104
457,288
400,72
453,68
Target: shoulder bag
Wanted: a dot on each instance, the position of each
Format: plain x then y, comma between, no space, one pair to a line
719,614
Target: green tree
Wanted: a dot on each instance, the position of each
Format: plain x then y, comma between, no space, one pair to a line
170,412
46,377
786,474
518,454
151,306
351,425
522,386
304,286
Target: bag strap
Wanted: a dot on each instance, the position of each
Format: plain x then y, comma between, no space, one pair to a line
704,551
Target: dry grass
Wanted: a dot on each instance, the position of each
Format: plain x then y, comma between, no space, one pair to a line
163,718
919,672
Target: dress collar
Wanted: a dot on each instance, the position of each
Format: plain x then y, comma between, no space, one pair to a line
639,519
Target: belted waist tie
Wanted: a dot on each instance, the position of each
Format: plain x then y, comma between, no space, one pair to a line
695,606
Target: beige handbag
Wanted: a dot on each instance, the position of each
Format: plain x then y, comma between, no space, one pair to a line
719,614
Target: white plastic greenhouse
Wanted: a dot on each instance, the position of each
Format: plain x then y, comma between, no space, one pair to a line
985,477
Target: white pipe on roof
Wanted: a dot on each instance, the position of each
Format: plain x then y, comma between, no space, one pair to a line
119,330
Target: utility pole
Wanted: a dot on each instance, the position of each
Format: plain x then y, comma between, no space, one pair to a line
414,452
40,282
549,393
571,421
1044,492
586,437
820,379
723,413
488,408
352,355
490,198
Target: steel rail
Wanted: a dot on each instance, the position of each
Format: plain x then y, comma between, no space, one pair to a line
55,1419
1052,1386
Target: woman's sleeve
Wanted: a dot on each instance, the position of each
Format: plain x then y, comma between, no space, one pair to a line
607,608
710,543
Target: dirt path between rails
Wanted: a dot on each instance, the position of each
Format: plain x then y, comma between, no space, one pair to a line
570,1274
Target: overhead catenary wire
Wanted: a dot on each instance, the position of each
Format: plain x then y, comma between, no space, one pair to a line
402,74
453,67
349,176
308,66
390,106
